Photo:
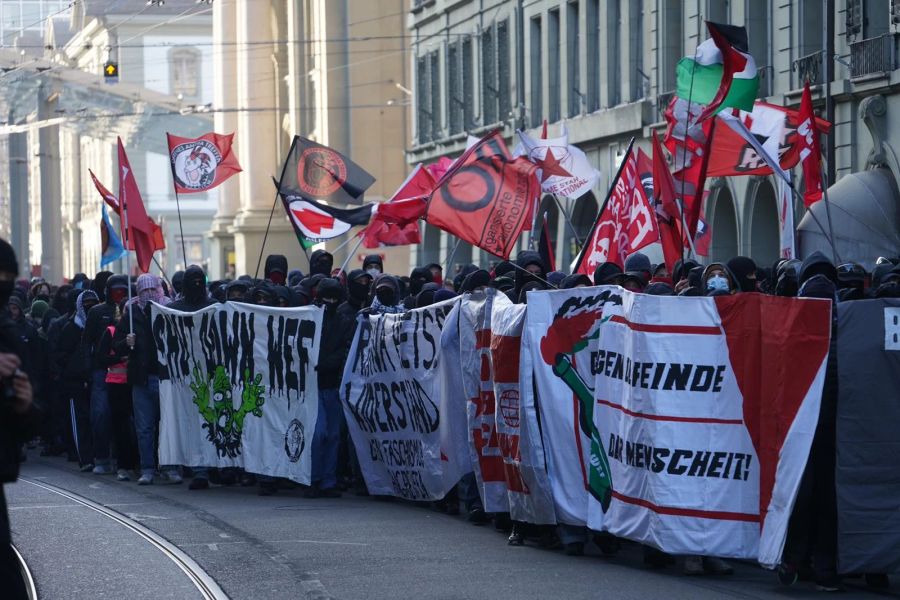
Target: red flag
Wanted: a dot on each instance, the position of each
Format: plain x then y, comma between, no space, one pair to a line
658,187
107,196
810,152
200,164
395,223
626,222
487,198
143,235
691,149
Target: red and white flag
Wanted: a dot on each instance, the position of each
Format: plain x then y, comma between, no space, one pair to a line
626,222
396,222
564,170
810,151
200,164
143,235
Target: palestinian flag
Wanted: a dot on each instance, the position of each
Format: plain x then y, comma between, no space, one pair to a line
318,222
720,74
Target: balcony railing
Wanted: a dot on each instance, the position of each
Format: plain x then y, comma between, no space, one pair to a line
872,56
809,68
662,103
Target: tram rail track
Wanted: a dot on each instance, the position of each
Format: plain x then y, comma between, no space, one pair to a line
205,584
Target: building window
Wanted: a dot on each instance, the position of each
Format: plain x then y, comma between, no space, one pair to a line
184,72
193,247
428,98
757,20
672,43
613,45
640,85
459,86
718,11
489,91
537,73
593,55
810,27
573,64
434,77
504,98
554,66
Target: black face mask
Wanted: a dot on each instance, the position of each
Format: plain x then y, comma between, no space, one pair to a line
358,291
386,296
6,290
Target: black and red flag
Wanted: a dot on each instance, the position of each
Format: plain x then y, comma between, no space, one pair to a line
487,197
317,172
318,222
810,152
200,164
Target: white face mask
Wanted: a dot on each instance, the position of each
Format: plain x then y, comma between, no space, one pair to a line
717,282
373,272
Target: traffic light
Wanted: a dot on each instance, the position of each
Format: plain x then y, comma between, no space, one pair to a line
111,72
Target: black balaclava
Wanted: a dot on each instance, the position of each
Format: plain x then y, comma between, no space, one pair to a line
417,278
474,280
608,273
294,277
571,281
744,271
178,281
818,286
817,264
387,290
531,286
9,269
358,292
329,295
99,284
276,268
321,262
193,286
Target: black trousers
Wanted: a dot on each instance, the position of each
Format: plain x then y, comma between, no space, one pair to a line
123,434
79,405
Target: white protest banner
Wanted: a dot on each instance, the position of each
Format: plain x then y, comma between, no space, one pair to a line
696,415
453,428
238,387
504,438
390,393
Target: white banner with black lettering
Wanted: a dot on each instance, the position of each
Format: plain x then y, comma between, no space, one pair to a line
681,423
391,397
238,387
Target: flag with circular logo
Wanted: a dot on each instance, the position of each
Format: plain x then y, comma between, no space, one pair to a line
200,164
317,172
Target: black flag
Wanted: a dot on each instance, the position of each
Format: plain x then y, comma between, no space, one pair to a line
317,172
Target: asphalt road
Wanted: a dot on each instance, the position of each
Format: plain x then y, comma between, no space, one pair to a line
287,546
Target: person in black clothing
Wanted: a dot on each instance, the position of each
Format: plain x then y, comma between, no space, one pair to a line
16,419
99,318
359,284
321,263
276,268
72,360
194,297
335,345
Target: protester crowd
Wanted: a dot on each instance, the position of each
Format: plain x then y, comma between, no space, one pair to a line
90,356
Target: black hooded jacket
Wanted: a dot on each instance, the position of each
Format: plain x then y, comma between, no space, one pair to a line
99,318
276,262
817,264
337,334
524,259
321,262
193,291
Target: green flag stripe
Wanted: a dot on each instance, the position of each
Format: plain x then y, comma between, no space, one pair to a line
706,79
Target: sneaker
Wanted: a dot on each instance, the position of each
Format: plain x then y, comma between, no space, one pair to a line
122,475
787,574
693,565
145,479
198,483
102,470
171,477
87,468
717,566
829,584
515,537
330,493
574,549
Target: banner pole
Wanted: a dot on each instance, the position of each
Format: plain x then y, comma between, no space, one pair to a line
824,174
180,225
816,220
352,252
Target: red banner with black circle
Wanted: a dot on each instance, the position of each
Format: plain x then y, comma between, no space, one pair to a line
487,198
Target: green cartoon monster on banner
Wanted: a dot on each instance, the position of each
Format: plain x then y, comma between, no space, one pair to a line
224,423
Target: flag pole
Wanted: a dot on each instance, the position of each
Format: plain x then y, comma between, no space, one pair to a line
262,248
352,252
824,174
568,220
612,187
451,255
124,201
180,224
